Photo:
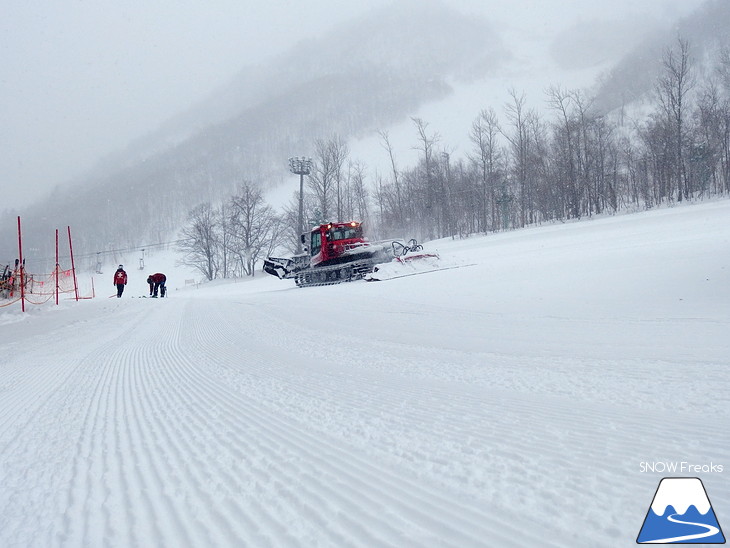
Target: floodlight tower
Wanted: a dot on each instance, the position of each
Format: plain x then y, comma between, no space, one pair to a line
300,166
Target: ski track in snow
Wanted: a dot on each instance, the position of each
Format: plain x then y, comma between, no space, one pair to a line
281,418
496,444
167,447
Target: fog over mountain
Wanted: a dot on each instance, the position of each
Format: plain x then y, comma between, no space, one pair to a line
633,77
363,76
401,44
372,73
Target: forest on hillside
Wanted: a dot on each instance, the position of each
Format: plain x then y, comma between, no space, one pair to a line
524,168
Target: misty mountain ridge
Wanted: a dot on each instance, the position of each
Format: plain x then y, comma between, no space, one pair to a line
409,42
632,79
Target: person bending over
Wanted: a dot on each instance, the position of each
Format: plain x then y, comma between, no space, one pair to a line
157,284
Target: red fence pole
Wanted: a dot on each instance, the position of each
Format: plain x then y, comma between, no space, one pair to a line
56,266
73,267
20,258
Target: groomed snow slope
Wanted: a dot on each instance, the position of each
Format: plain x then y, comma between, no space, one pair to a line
509,403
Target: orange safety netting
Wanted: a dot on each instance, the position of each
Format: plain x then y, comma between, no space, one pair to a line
39,288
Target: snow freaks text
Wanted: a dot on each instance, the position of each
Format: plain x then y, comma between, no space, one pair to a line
681,467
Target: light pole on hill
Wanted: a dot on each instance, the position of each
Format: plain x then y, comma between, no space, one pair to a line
301,166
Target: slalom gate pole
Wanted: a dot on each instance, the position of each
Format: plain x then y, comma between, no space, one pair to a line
56,267
73,267
20,267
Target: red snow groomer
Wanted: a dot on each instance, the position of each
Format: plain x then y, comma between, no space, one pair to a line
336,253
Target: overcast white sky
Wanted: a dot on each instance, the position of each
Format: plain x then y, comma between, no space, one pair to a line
80,79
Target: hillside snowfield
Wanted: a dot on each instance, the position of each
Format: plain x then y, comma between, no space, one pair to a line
514,402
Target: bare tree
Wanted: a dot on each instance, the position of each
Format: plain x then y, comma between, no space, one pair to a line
484,132
326,179
519,139
592,140
201,241
389,148
566,145
433,198
672,90
339,151
385,205
252,224
658,169
224,233
358,191
723,69
322,177
723,120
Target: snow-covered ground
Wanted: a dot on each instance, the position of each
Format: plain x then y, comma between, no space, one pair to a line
521,401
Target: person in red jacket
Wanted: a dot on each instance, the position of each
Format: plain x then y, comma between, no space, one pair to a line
120,280
157,282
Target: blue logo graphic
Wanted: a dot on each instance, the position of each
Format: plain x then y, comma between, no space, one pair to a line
680,513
